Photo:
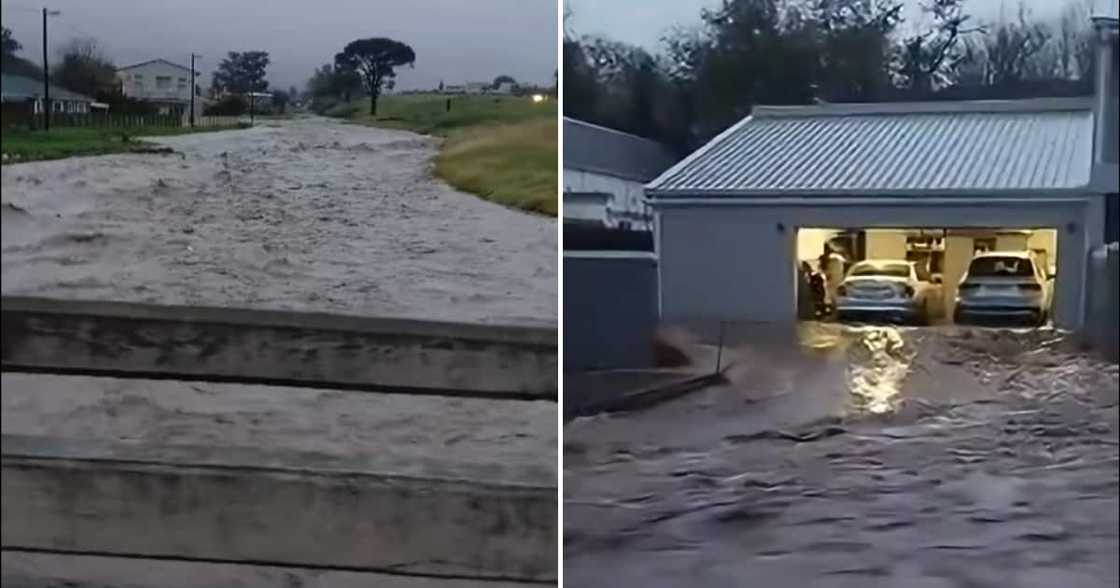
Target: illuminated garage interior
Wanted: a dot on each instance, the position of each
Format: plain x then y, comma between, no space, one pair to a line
941,259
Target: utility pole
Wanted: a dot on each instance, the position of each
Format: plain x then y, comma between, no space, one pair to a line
193,86
251,99
46,70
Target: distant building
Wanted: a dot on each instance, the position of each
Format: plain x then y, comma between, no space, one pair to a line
604,171
22,97
165,84
476,88
505,88
454,89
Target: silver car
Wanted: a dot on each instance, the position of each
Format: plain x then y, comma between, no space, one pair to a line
1006,286
883,289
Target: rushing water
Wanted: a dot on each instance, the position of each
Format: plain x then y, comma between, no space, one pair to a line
858,456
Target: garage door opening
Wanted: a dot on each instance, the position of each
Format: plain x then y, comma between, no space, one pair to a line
927,276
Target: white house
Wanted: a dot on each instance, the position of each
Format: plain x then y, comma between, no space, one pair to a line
729,215
604,171
166,84
504,88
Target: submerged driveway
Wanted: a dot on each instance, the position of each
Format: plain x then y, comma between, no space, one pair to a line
307,214
856,457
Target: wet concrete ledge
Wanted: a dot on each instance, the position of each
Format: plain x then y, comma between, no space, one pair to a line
279,348
263,507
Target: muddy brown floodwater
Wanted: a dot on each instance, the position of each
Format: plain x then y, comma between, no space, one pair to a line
858,457
307,214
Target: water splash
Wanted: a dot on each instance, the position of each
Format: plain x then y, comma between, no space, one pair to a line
880,362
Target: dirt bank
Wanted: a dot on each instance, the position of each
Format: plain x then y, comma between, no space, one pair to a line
308,214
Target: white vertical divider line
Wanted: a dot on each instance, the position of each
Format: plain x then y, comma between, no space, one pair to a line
559,293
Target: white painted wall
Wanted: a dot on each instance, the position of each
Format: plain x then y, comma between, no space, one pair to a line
1046,240
1012,241
886,244
729,260
626,203
156,81
810,243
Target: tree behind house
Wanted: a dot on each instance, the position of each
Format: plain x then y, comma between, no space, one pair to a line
241,73
84,68
11,63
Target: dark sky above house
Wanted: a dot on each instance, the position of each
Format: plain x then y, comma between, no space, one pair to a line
644,22
455,40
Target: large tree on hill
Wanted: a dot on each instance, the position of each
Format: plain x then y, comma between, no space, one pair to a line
84,68
375,61
502,79
239,73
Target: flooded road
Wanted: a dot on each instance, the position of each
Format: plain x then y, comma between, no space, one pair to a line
858,456
307,214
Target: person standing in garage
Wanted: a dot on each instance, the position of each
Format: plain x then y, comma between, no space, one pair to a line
832,266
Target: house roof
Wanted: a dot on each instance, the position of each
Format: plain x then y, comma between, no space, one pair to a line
182,67
948,148
24,88
593,148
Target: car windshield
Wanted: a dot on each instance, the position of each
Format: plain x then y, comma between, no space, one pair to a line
1003,267
893,270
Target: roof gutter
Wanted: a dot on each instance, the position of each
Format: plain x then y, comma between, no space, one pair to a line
951,194
839,200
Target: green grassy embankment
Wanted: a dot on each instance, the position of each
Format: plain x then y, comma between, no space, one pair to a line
20,145
502,148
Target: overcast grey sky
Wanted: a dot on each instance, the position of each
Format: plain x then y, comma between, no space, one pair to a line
455,40
644,22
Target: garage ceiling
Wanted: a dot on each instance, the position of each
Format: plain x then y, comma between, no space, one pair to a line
945,148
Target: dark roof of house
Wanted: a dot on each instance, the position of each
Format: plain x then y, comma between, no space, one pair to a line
182,67
593,148
22,87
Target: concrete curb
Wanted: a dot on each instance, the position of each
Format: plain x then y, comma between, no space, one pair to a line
279,348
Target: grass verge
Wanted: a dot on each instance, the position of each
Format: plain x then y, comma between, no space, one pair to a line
21,145
502,148
511,164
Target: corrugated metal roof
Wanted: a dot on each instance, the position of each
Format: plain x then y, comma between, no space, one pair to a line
867,149
593,148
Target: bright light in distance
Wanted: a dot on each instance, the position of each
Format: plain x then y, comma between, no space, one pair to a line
538,98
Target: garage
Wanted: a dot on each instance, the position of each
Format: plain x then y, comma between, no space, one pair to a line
733,217
927,276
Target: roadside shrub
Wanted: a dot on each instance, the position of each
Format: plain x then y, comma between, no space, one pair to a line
228,106
341,110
